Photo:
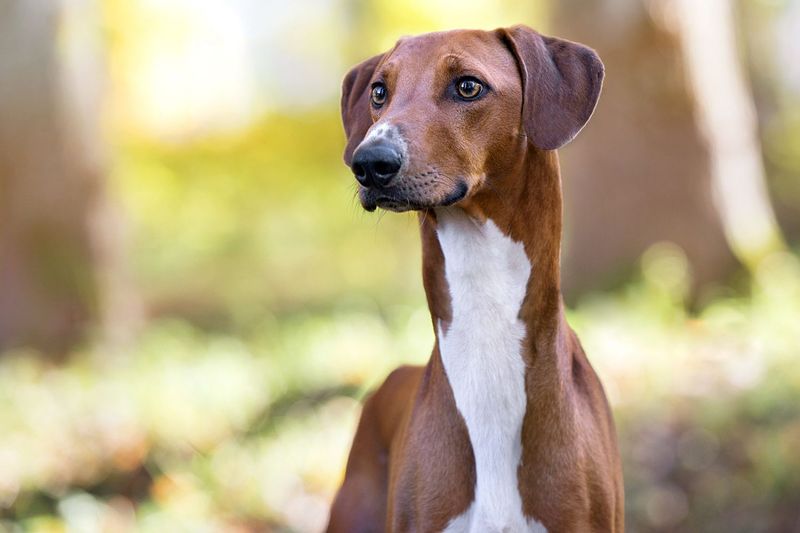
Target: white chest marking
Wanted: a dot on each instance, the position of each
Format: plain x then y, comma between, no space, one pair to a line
487,274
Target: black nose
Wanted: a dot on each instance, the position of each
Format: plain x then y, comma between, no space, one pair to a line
376,164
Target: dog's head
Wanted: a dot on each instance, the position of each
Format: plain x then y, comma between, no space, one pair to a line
430,122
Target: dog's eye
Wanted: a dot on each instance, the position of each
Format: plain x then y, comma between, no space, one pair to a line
378,94
469,88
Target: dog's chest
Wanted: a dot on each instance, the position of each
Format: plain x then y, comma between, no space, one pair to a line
481,348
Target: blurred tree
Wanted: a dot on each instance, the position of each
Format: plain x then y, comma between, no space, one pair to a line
57,238
671,153
769,32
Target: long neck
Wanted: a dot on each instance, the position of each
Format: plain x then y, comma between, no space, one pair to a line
491,273
525,206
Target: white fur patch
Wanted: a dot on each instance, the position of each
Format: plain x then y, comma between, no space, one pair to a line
389,133
487,273
378,130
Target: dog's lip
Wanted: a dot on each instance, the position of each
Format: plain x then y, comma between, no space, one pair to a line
396,204
372,199
457,195
369,204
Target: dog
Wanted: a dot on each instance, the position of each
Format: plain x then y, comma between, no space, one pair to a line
507,427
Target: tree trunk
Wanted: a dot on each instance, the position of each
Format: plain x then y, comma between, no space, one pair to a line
651,165
57,250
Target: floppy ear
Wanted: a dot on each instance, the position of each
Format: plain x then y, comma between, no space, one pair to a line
355,104
561,83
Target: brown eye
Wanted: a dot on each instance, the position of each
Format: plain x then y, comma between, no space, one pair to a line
378,94
469,88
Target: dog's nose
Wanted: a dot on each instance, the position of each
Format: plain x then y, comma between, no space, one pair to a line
376,165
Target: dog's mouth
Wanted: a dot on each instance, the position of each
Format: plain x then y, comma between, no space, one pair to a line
387,199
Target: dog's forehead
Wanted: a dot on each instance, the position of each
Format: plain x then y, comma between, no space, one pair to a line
439,49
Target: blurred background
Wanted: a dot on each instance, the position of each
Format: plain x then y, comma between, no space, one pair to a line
193,304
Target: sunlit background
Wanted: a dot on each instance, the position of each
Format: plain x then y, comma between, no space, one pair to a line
193,304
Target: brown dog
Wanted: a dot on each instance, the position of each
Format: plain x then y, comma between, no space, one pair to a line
507,427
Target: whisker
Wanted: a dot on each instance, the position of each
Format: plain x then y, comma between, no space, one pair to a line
424,218
381,214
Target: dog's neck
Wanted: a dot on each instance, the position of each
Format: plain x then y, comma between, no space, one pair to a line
491,273
525,206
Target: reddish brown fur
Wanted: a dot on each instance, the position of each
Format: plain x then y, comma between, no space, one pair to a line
411,467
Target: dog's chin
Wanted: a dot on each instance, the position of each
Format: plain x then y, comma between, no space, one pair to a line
372,199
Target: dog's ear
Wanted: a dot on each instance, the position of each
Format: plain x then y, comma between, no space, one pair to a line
355,104
561,83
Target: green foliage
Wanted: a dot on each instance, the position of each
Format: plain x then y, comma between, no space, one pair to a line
200,429
259,224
